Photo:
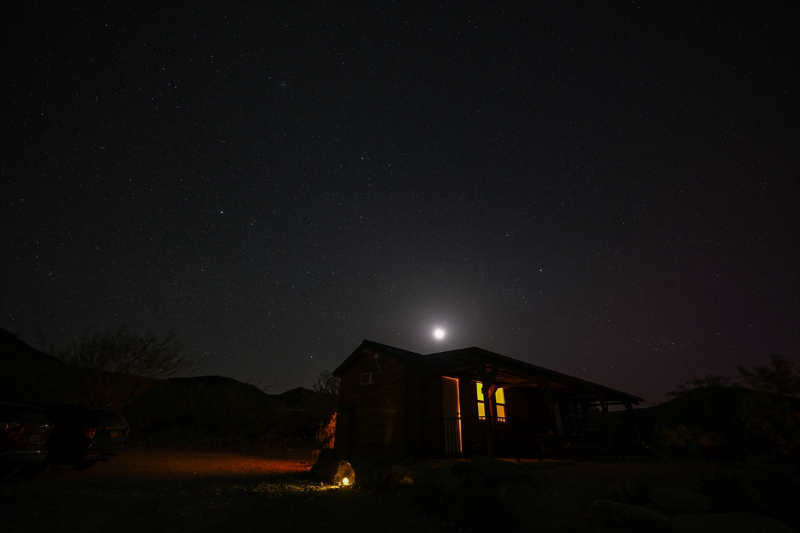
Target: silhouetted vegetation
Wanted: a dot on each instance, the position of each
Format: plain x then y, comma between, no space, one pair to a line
111,368
759,413
123,352
774,409
711,380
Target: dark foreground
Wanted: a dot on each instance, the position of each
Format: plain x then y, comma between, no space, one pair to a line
177,490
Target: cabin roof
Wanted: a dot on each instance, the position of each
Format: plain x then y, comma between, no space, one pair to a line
482,365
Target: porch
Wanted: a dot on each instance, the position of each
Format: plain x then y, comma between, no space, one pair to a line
518,438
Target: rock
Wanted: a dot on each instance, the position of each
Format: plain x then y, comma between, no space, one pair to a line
461,468
445,482
442,479
626,491
381,474
521,501
430,499
492,471
727,497
727,523
631,517
481,510
334,472
679,500
400,476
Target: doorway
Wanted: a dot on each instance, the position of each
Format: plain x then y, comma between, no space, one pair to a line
451,413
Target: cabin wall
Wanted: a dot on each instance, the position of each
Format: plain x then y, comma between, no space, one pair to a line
432,397
371,417
469,398
415,411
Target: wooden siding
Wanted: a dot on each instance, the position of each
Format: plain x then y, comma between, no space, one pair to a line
372,416
469,398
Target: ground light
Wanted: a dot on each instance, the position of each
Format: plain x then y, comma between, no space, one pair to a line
345,481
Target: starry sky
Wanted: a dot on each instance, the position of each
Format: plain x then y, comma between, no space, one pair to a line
604,189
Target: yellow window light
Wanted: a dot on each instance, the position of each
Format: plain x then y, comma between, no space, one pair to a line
478,385
499,396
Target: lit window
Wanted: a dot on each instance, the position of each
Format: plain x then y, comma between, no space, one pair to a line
481,406
499,402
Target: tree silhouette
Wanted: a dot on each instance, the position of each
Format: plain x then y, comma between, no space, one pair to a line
121,365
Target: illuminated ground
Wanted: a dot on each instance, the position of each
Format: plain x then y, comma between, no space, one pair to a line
179,490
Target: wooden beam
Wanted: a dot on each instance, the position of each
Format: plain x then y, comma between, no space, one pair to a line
604,405
629,408
544,387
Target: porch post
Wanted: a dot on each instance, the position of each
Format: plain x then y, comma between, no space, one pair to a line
629,408
604,406
488,388
544,386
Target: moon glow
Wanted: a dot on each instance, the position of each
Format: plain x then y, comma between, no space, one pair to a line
438,333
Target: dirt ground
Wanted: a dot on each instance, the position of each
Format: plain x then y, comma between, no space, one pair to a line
151,489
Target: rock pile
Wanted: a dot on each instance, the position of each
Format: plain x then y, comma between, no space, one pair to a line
632,506
488,494
477,494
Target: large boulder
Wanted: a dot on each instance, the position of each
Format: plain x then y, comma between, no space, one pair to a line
430,499
727,523
626,491
521,501
333,471
445,482
630,517
728,497
381,476
480,509
492,471
461,469
435,475
679,500
400,476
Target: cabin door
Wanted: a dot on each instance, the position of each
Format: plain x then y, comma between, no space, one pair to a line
451,413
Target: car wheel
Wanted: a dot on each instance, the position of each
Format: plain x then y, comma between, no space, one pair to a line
86,464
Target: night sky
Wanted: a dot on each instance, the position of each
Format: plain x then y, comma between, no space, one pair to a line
604,189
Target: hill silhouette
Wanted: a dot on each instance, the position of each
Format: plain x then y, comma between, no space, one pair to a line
210,405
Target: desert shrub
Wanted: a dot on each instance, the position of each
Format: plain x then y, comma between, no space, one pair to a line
326,433
677,441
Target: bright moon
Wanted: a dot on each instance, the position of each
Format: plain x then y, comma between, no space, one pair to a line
438,333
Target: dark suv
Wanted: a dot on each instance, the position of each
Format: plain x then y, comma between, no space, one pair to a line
84,435
24,431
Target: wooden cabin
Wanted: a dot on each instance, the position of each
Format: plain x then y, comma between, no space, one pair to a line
395,403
